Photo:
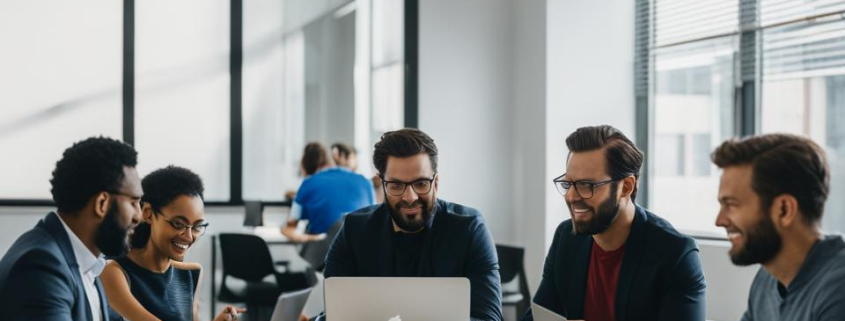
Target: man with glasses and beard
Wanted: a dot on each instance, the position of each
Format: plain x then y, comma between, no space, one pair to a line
613,260
414,234
772,194
51,272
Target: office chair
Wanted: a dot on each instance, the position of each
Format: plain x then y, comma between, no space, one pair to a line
315,252
247,257
512,265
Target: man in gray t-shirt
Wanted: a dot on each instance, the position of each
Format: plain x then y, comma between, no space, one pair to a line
772,194
816,293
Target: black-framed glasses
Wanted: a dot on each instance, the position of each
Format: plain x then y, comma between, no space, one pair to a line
397,188
584,189
197,229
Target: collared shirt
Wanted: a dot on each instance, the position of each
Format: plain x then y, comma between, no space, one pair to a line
817,293
90,267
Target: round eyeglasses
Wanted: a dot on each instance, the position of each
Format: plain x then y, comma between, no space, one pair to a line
197,229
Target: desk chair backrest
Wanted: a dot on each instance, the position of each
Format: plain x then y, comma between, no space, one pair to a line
245,256
253,213
511,266
315,252
510,261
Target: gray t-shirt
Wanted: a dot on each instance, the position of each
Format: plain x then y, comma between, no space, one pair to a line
816,294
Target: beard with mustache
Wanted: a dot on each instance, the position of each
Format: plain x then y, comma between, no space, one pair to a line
605,215
762,243
406,224
112,238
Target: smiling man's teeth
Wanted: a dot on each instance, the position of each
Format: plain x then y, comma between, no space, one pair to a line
733,235
181,245
580,210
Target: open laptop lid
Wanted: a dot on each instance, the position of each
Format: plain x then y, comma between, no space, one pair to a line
290,305
397,299
542,314
253,213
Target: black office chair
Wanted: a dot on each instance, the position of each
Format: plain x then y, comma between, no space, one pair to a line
315,252
247,257
511,266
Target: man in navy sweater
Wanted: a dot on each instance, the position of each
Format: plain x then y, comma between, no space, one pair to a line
413,234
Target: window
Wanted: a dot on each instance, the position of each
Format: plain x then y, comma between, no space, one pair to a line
182,100
273,110
693,111
388,69
802,93
61,82
722,69
222,87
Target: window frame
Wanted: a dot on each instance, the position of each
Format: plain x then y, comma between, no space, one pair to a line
411,64
748,78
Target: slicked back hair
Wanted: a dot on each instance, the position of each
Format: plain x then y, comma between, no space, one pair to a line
623,157
403,143
781,164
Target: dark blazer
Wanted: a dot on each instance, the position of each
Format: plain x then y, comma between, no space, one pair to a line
40,280
660,278
457,244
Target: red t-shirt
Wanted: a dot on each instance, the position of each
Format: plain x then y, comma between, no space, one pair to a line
600,299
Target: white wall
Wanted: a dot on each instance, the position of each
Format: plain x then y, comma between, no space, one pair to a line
727,285
590,80
465,60
528,114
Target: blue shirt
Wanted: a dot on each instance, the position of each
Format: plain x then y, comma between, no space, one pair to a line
326,196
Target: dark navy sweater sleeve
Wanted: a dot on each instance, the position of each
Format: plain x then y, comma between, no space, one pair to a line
483,274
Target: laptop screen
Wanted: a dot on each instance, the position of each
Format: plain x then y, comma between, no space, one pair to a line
254,213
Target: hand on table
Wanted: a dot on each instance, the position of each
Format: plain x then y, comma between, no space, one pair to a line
229,313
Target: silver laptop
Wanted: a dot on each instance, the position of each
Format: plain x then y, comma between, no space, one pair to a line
290,305
542,314
397,299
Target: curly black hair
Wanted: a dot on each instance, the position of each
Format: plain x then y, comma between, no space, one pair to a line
161,187
87,168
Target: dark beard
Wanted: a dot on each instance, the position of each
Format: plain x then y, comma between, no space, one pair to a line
762,243
606,214
407,225
111,238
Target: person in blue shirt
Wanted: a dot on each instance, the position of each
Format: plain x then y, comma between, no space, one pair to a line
325,196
